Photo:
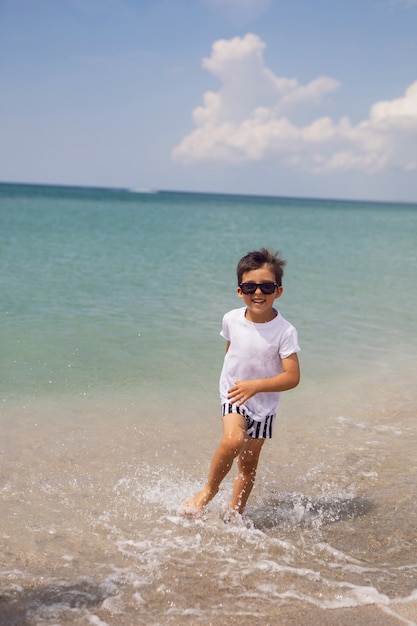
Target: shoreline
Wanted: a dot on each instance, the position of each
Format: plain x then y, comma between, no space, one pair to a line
16,609
82,479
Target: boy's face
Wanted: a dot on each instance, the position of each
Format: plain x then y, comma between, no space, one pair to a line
259,305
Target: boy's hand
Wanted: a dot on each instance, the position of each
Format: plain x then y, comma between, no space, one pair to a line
242,391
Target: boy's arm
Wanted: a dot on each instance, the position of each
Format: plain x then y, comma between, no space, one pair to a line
288,379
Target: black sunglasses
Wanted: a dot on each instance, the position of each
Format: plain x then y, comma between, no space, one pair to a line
248,289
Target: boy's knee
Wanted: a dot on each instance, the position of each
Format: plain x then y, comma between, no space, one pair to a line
233,443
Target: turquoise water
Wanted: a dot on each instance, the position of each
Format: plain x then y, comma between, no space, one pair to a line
115,290
110,355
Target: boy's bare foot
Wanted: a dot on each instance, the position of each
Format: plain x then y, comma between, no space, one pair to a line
232,517
195,505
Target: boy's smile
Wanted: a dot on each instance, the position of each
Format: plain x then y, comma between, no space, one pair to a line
259,305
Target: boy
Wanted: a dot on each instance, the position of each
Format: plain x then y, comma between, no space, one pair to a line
260,362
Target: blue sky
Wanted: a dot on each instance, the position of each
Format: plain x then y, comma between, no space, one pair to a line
312,98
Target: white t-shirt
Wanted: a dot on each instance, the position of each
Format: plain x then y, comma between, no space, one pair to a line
255,351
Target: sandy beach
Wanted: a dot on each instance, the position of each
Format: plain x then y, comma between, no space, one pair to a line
13,612
92,528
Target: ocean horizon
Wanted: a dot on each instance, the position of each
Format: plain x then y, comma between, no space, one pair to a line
30,186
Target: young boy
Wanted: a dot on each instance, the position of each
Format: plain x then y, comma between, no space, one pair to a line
260,362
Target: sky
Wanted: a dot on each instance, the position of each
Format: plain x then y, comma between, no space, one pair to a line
300,98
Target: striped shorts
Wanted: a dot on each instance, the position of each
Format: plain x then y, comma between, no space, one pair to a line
255,429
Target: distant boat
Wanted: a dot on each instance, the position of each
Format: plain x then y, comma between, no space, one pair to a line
137,190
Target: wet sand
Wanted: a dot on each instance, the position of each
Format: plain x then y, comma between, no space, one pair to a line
14,612
404,613
91,534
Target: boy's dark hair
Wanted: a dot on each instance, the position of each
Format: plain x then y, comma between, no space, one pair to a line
256,259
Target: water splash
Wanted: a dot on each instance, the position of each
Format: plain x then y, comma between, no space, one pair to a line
292,510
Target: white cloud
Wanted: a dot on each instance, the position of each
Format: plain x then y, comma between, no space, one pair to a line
248,119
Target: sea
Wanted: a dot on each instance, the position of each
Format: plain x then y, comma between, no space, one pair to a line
110,353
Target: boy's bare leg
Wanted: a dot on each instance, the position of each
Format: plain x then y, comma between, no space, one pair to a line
247,464
230,446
